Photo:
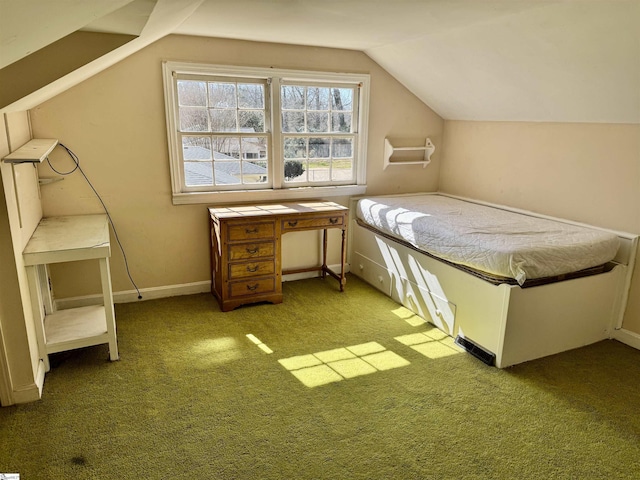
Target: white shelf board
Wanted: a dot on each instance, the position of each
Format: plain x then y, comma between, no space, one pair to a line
34,151
389,150
67,239
75,328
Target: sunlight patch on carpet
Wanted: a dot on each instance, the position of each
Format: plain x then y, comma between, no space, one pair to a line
316,376
218,350
334,365
408,316
259,343
386,360
334,355
432,343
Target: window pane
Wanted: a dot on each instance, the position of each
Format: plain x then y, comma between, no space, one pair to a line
319,147
254,148
223,120
295,171
254,172
292,121
196,148
317,122
250,96
222,95
317,98
342,99
295,148
342,148
342,170
226,148
341,122
193,119
319,170
292,97
192,93
198,174
251,120
227,172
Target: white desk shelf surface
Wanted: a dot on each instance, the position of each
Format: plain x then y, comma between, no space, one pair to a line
68,238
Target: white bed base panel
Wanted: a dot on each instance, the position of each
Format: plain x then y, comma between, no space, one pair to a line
515,324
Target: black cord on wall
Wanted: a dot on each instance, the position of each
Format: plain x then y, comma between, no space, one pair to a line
77,166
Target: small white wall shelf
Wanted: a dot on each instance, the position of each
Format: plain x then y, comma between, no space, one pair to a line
389,150
34,151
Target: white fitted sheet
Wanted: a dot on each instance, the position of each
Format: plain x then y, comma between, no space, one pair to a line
489,239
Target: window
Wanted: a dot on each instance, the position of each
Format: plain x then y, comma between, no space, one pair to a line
248,133
222,131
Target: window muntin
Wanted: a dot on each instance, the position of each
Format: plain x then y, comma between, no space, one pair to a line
226,132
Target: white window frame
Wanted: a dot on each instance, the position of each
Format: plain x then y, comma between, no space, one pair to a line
278,191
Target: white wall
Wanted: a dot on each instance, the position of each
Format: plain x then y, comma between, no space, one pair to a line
115,123
584,172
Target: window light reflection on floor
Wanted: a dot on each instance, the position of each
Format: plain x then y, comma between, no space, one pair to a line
432,344
259,343
408,316
322,368
218,350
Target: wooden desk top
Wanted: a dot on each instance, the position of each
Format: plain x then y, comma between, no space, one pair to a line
246,211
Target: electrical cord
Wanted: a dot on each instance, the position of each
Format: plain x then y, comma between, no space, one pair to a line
77,166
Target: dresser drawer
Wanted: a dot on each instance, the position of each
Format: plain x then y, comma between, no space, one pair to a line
251,269
252,287
311,223
247,251
251,231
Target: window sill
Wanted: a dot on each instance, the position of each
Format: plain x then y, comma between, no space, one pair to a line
238,196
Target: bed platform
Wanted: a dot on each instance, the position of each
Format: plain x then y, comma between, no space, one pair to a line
487,275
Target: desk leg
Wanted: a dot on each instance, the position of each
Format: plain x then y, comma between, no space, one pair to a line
38,314
107,295
324,253
343,277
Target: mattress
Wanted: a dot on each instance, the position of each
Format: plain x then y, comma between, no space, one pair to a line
489,239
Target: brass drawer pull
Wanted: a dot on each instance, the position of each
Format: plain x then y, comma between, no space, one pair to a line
252,268
333,221
253,287
292,223
251,230
252,251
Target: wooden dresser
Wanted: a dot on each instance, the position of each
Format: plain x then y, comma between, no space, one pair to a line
246,248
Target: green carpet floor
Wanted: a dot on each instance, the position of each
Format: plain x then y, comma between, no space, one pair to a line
354,389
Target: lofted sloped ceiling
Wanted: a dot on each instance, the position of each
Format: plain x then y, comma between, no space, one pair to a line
29,28
508,60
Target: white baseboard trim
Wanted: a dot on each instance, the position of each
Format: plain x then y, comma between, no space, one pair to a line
32,392
129,296
627,337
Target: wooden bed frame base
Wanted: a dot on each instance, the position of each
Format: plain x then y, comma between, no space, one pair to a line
516,324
